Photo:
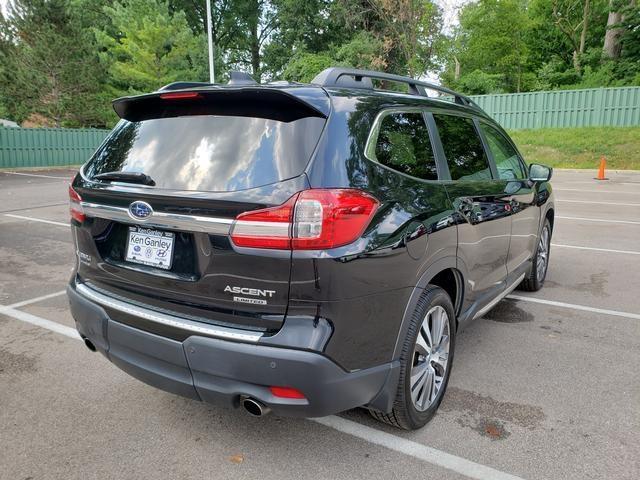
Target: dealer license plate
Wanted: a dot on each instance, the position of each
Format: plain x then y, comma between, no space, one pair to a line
150,247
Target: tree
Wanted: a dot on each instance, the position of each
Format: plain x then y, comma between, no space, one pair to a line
259,20
305,65
615,27
492,38
562,50
306,27
149,46
571,17
63,61
630,37
411,30
50,68
226,26
363,51
397,36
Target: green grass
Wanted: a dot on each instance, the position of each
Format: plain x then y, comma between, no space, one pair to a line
581,147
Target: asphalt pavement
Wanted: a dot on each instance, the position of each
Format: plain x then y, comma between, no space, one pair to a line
545,386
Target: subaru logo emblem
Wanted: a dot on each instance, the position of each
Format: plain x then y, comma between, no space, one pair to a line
140,210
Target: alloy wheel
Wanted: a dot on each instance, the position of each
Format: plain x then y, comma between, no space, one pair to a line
543,254
430,358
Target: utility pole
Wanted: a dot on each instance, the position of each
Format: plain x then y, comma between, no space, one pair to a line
212,68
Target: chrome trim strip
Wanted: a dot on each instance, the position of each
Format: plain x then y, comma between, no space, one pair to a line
267,229
170,320
504,293
171,221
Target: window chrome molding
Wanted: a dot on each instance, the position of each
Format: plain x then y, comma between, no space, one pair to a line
224,333
171,221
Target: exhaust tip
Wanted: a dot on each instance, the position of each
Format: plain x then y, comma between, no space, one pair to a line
254,407
89,345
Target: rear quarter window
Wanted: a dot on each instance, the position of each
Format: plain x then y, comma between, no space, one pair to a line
209,153
402,144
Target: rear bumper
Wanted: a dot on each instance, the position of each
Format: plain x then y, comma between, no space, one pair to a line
221,371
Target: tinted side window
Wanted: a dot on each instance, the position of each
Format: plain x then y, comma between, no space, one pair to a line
463,149
505,156
403,144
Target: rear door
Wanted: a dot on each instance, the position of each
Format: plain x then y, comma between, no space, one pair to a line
483,217
164,242
512,174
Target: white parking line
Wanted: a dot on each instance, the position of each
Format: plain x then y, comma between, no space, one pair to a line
593,182
602,220
32,219
609,250
573,306
625,204
417,450
596,185
392,442
40,322
36,299
593,190
37,175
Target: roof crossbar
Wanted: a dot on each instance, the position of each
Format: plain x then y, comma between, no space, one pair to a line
355,78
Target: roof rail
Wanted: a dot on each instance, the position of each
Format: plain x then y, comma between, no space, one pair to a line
354,78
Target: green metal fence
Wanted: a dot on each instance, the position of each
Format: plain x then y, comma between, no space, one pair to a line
46,147
618,107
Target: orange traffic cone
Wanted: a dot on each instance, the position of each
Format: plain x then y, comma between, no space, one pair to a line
603,164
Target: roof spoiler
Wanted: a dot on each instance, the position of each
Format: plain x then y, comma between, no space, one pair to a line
243,100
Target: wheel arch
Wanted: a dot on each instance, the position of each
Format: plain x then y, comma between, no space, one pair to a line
550,215
445,274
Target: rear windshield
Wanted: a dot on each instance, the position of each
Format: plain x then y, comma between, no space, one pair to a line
209,153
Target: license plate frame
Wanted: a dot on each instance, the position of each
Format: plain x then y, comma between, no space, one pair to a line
148,246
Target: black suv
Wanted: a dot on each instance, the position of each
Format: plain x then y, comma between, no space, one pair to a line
305,249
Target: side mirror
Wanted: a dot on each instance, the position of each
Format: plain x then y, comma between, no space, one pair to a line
540,173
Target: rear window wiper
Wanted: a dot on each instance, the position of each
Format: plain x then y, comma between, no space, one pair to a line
127,177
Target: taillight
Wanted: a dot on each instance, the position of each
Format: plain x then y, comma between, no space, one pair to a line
330,218
75,206
265,228
310,220
286,392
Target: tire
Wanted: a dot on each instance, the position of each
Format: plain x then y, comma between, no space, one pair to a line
408,412
535,279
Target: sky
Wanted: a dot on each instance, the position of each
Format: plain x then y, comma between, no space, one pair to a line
450,10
